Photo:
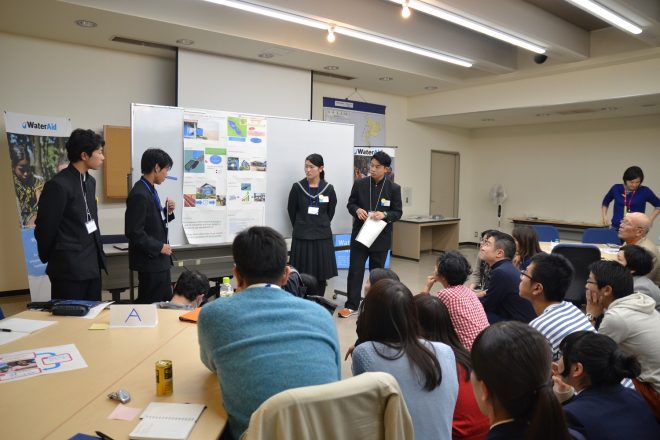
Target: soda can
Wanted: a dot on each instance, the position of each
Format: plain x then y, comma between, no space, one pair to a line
164,379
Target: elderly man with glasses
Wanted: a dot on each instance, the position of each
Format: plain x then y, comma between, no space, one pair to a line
634,229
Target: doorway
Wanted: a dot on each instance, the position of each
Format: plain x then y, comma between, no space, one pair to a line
445,170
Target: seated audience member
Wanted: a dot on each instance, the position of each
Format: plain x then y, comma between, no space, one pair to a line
264,340
630,319
501,301
467,313
633,230
639,262
481,275
425,371
544,285
436,325
189,291
511,368
527,245
602,409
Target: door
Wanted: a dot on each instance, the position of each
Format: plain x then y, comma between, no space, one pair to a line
444,183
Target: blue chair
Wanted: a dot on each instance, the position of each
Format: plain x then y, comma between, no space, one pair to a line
546,232
600,236
580,256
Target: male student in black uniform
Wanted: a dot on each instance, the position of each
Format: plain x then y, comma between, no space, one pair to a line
379,198
146,219
67,224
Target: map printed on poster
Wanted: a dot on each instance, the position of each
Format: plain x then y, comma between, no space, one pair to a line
368,119
224,170
48,360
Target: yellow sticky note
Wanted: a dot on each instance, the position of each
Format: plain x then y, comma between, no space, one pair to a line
99,326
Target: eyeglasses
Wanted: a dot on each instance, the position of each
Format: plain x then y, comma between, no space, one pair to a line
531,278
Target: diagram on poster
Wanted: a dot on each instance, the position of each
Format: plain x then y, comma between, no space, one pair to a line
48,360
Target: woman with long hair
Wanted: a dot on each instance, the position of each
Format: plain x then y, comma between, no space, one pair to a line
603,409
527,245
511,377
311,207
436,325
425,371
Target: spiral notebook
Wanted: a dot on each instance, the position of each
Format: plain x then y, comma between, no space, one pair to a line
167,421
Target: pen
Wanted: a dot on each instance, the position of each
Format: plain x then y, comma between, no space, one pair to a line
5,330
103,436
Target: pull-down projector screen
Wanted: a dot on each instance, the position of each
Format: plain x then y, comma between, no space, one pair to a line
221,83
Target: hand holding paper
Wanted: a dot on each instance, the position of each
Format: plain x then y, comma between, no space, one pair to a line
370,230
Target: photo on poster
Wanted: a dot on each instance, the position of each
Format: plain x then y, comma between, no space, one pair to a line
362,161
237,128
201,128
193,161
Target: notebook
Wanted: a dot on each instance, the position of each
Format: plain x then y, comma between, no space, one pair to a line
167,421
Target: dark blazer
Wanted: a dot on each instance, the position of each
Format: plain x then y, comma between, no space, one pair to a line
514,430
62,238
307,226
611,412
359,198
502,302
145,229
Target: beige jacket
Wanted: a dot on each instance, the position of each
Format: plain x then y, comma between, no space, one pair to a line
653,249
366,407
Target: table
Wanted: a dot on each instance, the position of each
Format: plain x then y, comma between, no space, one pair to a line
57,406
571,230
606,252
415,234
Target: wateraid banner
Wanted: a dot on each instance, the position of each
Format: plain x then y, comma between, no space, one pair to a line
37,152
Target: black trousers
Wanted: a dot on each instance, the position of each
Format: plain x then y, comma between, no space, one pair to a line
89,290
154,287
359,255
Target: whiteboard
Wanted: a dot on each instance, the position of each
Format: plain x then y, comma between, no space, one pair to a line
289,142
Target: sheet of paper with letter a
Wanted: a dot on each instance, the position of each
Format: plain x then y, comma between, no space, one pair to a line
133,315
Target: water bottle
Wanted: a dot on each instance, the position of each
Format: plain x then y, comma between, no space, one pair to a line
226,291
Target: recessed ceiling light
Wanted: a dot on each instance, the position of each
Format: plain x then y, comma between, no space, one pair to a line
543,115
86,23
331,67
430,88
266,55
185,41
487,120
385,78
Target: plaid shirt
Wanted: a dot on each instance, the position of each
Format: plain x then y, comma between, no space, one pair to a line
466,312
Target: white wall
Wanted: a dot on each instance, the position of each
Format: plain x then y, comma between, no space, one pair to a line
94,87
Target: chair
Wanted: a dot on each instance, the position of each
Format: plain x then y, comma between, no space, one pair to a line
580,256
546,232
600,236
369,406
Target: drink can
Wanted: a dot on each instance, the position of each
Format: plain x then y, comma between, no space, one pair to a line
164,378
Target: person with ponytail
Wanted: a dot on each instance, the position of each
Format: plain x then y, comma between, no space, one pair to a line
436,325
511,378
425,370
602,408
311,207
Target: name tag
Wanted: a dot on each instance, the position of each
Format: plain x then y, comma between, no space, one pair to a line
133,315
384,202
313,210
324,199
91,226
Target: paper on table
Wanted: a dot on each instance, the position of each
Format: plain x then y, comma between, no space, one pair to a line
7,337
370,230
167,421
25,325
123,412
94,311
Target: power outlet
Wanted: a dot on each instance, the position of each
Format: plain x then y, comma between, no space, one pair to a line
476,234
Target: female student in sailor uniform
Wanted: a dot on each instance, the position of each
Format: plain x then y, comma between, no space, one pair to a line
312,203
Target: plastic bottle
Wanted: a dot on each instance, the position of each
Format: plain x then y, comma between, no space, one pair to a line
226,290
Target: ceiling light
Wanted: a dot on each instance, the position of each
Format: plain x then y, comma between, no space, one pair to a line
185,41
470,24
331,35
385,78
266,55
86,23
331,67
430,88
607,15
318,24
405,10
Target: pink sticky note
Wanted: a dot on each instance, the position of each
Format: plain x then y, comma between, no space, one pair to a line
123,412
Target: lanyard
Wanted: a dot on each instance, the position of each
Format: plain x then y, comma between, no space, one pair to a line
626,203
153,193
88,215
380,194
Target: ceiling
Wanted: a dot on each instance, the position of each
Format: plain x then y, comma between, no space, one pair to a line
572,37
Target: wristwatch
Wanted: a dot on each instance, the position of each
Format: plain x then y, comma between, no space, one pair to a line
591,317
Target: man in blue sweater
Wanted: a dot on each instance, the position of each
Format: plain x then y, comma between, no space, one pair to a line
264,340
501,301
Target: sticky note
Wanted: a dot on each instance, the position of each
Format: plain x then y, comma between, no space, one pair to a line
99,326
123,412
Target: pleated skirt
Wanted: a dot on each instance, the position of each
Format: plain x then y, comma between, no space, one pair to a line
315,257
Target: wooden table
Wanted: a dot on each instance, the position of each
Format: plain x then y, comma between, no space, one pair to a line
415,234
606,252
57,406
571,230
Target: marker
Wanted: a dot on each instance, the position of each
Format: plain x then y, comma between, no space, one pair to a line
172,178
5,330
103,436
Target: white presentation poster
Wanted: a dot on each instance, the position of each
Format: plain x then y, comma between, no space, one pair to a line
224,168
39,361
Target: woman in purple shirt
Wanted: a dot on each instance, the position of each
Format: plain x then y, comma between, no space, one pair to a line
630,196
